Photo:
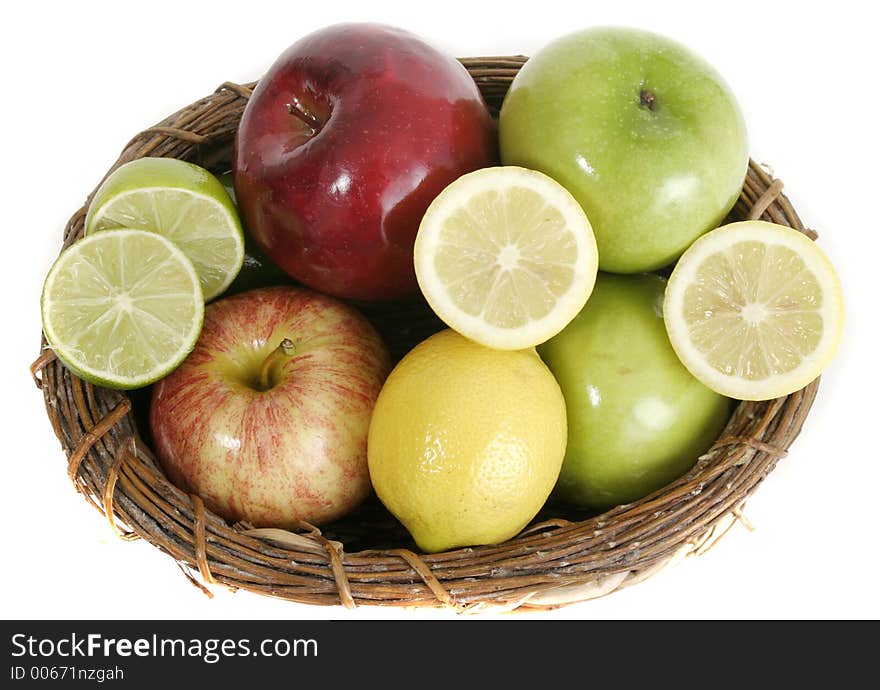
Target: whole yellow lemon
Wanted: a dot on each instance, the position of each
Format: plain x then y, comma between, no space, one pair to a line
466,442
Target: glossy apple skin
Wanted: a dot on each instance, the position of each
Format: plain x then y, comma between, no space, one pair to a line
296,451
643,132
337,203
637,419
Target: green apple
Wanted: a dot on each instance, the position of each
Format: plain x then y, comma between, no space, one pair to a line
643,132
637,419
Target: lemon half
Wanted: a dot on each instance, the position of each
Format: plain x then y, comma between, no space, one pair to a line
506,256
754,310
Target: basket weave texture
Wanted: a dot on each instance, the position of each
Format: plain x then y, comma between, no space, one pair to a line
367,558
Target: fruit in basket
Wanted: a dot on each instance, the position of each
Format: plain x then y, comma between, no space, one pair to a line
122,308
345,141
182,201
644,133
755,310
637,419
466,441
267,418
506,256
257,270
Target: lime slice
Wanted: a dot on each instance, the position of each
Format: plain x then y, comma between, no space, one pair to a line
754,310
183,202
506,257
122,308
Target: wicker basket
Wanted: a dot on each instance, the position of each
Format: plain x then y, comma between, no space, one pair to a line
368,558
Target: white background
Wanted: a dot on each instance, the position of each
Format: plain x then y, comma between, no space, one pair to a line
79,79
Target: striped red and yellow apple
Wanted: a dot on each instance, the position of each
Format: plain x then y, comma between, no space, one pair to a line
267,419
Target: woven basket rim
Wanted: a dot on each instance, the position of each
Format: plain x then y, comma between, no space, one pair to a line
555,561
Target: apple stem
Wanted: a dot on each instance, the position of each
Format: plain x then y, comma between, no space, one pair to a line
296,108
285,349
647,99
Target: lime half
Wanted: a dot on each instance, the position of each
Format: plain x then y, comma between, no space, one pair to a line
122,308
182,201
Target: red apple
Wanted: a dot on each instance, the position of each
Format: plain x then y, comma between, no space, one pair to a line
267,435
344,143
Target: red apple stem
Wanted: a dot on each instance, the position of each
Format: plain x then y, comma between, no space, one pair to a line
296,108
285,349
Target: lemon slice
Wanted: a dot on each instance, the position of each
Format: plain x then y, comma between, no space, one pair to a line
506,256
122,308
182,201
754,310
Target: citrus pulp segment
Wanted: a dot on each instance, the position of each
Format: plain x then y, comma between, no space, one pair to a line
506,256
754,310
182,201
122,308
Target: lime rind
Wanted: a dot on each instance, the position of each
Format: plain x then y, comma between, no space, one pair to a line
122,308
754,310
181,201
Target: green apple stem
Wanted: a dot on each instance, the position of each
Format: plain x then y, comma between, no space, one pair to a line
647,99
284,350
